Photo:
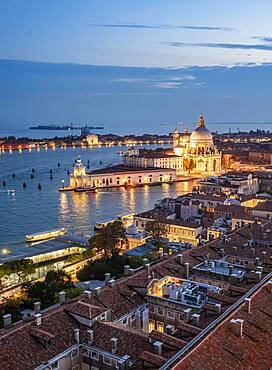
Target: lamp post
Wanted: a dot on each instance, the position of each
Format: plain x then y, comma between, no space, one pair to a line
62,182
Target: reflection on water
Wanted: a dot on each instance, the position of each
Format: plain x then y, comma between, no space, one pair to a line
31,210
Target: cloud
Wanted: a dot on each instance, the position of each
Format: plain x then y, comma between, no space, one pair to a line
263,38
221,45
168,85
161,26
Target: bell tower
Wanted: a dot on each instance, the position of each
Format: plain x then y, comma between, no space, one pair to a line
175,138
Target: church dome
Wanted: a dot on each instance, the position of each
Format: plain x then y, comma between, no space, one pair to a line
201,136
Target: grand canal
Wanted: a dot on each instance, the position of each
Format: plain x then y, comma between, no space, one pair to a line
32,210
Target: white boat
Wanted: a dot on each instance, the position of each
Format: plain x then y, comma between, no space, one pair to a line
45,235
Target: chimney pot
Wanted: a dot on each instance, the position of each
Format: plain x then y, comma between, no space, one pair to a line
237,326
61,297
131,271
126,270
90,336
97,289
76,330
157,347
38,319
195,318
87,294
111,282
37,307
180,257
187,314
107,277
187,265
7,320
145,261
114,342
248,304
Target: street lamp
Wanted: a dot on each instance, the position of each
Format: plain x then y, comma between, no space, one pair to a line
62,181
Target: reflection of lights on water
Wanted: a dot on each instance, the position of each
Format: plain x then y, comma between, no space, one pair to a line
5,251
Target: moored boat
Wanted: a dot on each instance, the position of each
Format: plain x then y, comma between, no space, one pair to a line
45,235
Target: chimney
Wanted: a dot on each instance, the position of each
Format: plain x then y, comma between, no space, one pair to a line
76,331
248,305
218,307
253,251
126,270
107,277
230,270
86,285
114,347
131,271
187,314
234,250
61,297
180,257
222,252
37,307
87,294
264,254
258,275
257,261
187,266
38,319
237,326
145,261
111,282
97,290
157,348
269,286
90,336
7,320
195,318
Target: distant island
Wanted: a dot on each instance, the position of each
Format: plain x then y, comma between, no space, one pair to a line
65,127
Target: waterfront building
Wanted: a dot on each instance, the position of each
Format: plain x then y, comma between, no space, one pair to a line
193,153
231,183
119,175
92,140
209,300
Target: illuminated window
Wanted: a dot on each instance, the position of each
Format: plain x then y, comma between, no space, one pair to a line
151,325
160,327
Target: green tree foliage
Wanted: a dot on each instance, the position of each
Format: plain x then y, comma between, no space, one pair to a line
188,164
22,268
47,291
108,240
114,265
158,230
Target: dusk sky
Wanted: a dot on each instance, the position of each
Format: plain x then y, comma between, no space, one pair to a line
135,64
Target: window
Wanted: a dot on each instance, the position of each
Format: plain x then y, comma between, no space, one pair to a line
151,325
103,316
160,327
160,311
85,352
171,314
125,321
94,355
74,353
107,360
151,308
55,365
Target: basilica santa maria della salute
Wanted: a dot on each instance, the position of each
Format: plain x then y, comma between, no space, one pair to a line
197,150
193,153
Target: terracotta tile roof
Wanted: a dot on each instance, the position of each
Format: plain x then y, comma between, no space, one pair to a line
84,309
167,339
225,349
152,358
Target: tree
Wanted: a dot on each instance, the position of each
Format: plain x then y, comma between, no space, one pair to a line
188,164
158,229
22,268
109,239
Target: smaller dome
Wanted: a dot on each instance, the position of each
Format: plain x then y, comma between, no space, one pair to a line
132,230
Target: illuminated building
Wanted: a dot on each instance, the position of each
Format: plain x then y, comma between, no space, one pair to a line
193,153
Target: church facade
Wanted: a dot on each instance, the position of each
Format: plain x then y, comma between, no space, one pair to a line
193,153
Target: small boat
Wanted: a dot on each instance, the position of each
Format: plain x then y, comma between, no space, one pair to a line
45,235
83,190
11,191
